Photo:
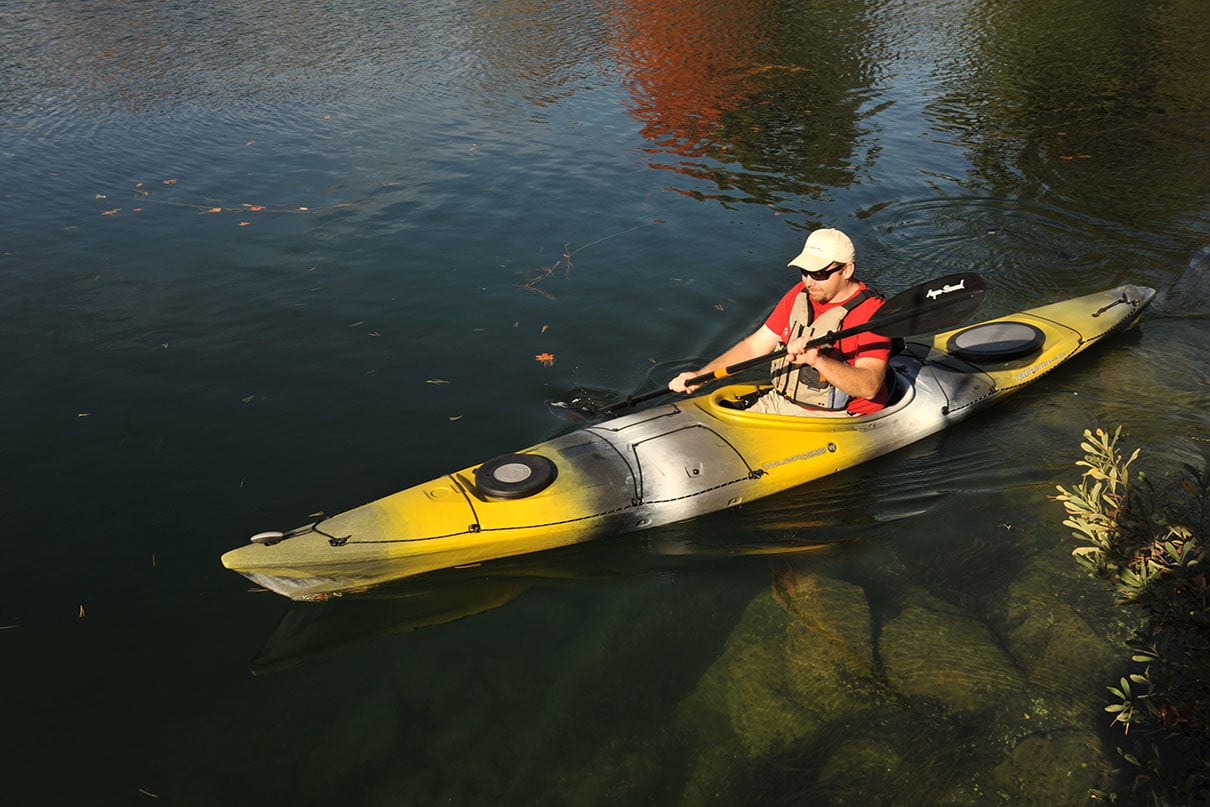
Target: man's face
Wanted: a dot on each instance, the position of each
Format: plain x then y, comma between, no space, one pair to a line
834,278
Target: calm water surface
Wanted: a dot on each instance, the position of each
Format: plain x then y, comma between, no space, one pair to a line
242,244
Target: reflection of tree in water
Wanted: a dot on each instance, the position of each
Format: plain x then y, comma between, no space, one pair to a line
750,100
1087,103
757,98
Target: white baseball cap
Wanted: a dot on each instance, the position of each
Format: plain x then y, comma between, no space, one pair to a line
823,248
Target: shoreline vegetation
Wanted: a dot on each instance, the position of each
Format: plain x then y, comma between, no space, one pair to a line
1150,541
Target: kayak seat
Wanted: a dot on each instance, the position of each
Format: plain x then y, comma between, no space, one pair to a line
897,383
742,402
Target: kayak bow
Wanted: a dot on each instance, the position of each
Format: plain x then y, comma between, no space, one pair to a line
671,462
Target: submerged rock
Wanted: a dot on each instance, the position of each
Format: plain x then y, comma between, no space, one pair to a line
801,655
1055,769
934,651
862,771
1069,659
942,705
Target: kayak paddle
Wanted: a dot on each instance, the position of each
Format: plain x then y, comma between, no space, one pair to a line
931,306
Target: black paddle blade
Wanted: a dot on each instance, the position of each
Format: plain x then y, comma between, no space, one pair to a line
584,404
932,306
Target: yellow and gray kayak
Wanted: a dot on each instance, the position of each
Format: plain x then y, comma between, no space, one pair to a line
671,462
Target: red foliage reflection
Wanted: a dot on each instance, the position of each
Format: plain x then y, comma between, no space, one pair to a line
689,64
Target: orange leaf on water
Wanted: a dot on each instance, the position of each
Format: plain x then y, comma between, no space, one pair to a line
215,210
547,359
170,182
113,212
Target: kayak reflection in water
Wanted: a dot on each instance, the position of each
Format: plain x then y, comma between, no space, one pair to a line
849,377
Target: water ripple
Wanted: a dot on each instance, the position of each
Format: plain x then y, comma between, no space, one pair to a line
1029,250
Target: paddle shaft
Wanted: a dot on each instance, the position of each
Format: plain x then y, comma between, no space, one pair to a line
938,303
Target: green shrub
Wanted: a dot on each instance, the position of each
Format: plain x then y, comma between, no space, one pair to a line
1150,541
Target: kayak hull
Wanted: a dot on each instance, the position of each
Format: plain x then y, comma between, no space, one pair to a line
671,462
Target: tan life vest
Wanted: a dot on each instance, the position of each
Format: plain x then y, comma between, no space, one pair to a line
802,383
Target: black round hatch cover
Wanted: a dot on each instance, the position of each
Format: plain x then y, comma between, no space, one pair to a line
515,476
996,341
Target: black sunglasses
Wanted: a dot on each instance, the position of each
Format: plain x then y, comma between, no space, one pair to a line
825,273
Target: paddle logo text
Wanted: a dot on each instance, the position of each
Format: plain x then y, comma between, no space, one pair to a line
933,294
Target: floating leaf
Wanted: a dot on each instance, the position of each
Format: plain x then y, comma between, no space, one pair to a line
113,212
248,399
254,208
170,182
102,196
546,359
455,417
436,381
244,223
215,210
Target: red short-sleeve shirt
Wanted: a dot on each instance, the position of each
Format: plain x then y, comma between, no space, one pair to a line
857,346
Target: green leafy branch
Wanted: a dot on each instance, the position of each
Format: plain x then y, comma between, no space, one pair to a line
1151,543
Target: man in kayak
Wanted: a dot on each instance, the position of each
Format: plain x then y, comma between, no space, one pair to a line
849,377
